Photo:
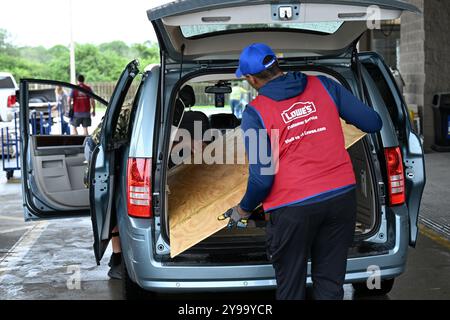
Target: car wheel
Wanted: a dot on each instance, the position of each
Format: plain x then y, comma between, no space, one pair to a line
362,289
131,290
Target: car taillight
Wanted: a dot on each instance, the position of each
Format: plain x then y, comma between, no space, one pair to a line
12,101
396,176
139,200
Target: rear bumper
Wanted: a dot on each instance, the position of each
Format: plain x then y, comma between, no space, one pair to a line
154,276
247,285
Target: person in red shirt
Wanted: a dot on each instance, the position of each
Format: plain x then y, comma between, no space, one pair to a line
82,105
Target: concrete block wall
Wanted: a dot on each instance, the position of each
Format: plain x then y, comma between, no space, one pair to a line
425,58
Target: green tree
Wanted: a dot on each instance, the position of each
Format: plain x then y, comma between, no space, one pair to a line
118,47
147,52
103,62
59,65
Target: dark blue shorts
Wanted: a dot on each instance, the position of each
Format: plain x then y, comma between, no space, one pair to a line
85,122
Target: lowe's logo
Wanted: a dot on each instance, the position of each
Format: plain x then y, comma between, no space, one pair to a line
298,110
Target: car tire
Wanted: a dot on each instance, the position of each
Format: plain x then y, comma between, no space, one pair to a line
131,290
361,288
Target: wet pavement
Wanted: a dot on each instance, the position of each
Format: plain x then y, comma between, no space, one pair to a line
12,226
54,259
435,207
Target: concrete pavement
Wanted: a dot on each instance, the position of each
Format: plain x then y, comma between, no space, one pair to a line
44,264
435,207
54,259
12,226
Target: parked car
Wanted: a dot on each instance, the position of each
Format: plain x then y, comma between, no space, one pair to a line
201,42
8,102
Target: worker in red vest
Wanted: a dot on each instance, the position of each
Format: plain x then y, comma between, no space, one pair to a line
309,186
81,107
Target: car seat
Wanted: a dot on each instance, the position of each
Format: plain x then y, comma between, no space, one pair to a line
224,121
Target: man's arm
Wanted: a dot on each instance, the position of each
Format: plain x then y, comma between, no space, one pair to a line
93,107
92,102
71,99
259,185
351,109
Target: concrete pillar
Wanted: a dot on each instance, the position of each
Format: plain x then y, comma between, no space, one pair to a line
425,58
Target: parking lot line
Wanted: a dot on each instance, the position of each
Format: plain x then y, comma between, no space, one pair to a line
14,229
434,236
11,218
16,254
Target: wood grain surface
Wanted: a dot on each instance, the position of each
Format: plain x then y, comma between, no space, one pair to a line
199,193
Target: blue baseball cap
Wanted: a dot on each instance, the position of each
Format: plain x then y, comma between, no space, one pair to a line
252,58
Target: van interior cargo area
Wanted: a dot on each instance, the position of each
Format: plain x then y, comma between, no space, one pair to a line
58,165
233,246
248,245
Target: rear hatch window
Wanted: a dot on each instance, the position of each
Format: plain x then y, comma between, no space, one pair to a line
197,31
6,83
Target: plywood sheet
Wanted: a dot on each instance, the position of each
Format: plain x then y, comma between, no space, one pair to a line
199,193
351,134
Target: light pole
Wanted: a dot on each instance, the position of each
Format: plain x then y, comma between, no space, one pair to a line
72,47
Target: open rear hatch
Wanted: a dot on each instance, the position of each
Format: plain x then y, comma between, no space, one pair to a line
219,30
213,33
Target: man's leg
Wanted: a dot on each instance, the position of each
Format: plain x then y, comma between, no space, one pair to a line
74,123
238,110
330,247
233,104
87,122
74,131
116,241
290,232
116,257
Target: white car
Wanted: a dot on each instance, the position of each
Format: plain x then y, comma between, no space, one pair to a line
8,103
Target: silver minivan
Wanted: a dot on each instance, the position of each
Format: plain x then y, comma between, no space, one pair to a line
200,42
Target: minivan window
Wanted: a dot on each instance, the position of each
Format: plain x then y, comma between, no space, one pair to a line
235,102
383,88
319,27
6,83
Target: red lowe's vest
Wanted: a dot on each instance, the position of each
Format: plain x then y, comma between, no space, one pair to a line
311,146
81,101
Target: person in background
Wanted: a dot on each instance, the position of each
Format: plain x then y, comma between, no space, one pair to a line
90,143
236,97
186,99
82,105
62,106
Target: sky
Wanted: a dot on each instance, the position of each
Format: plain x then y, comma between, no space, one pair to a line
47,22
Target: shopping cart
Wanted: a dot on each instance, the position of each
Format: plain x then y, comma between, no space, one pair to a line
41,124
10,148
